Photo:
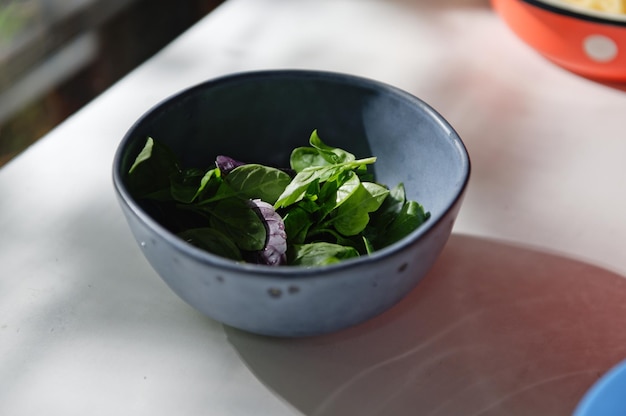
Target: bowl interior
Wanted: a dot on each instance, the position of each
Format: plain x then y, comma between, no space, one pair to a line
580,11
261,117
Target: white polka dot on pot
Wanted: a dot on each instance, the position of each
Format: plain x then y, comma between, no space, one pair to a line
600,48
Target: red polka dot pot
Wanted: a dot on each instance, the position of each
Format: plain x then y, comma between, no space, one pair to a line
586,42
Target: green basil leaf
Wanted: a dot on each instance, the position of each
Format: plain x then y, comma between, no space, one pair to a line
149,175
195,185
220,191
410,217
209,183
297,223
213,241
351,222
378,194
321,254
184,186
327,198
144,155
238,220
306,157
298,186
333,155
369,247
353,215
319,154
347,189
308,205
335,192
257,181
329,235
390,208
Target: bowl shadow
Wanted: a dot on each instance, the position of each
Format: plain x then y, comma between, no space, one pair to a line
493,329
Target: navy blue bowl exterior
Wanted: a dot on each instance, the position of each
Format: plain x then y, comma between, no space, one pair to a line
259,117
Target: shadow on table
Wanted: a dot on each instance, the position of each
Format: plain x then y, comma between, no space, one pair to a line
614,85
494,329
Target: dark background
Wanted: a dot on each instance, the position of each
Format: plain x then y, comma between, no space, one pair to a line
128,32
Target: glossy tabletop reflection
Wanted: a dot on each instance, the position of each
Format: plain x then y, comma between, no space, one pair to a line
495,329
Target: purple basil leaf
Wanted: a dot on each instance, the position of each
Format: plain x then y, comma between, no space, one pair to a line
225,164
275,251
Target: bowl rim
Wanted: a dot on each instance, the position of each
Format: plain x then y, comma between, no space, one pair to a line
579,12
287,271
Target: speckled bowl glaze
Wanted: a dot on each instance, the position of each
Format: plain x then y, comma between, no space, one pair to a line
261,116
587,42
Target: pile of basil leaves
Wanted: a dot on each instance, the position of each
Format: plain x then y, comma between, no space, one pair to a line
323,209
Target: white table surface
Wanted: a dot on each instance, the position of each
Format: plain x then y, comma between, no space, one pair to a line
524,310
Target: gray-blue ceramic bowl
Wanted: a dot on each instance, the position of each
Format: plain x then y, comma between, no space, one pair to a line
261,116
